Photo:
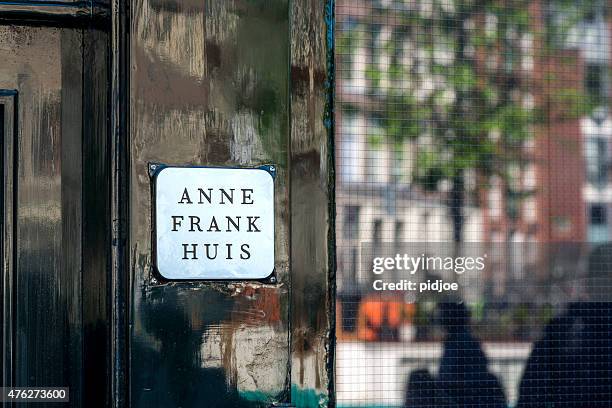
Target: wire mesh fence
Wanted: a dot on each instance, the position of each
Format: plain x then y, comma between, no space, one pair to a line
474,202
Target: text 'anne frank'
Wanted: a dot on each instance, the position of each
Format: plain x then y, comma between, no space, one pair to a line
214,224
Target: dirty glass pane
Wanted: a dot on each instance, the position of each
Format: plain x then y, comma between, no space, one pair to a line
473,197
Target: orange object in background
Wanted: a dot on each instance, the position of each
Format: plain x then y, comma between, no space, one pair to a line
380,319
370,318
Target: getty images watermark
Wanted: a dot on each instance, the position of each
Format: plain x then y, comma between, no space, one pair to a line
410,265
520,271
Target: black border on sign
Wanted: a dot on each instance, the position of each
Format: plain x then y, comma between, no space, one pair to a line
153,170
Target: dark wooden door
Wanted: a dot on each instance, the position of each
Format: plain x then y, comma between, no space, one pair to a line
53,94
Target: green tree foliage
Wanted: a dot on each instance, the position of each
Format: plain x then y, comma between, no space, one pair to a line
448,76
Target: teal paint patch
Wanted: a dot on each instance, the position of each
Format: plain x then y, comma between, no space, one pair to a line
308,398
255,396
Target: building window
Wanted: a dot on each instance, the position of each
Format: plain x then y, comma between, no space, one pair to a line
398,232
350,151
596,82
348,264
597,160
351,222
376,161
598,214
377,232
598,223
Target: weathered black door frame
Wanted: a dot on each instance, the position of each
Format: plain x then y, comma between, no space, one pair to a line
92,21
119,111
115,19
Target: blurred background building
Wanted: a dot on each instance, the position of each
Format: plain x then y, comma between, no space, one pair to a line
483,126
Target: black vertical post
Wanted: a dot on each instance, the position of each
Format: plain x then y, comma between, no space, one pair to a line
119,201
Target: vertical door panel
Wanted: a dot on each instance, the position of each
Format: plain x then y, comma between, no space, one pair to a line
209,87
42,65
55,209
96,218
8,138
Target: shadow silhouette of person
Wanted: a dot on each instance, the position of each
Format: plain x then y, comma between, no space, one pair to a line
422,391
463,374
571,365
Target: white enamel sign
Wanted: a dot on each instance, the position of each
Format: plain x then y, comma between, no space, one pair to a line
214,223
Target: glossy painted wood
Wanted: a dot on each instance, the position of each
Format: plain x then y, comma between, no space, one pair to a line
311,209
96,228
238,83
59,12
9,134
55,210
209,86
